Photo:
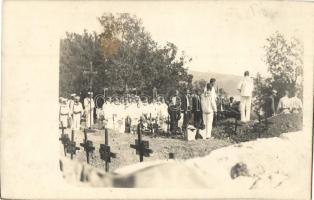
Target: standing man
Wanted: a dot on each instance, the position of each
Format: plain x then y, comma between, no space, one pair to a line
186,107
89,106
284,104
245,88
70,104
197,110
295,103
174,112
64,113
270,104
209,108
77,112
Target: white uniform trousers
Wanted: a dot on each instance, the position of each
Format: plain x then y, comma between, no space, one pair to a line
208,121
76,123
89,116
64,120
245,108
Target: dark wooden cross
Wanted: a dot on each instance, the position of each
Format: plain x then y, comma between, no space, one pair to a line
72,148
65,140
105,152
141,146
87,145
90,73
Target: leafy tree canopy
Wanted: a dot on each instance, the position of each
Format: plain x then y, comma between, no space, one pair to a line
124,56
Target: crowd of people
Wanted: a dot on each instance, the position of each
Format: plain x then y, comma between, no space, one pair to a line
174,115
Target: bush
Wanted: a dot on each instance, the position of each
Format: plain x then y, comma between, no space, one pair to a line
272,127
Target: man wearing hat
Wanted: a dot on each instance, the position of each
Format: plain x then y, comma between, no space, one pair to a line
77,111
89,106
71,100
270,104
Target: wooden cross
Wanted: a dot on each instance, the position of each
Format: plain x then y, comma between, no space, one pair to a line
87,145
105,153
64,139
141,146
72,148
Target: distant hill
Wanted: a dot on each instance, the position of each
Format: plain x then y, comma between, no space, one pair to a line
226,81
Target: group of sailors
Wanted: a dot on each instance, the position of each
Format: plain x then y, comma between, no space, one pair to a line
289,103
118,113
176,115
71,111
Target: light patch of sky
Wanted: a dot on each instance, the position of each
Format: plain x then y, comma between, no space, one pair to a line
219,37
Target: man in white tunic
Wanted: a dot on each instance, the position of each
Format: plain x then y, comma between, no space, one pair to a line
284,104
64,113
296,104
89,106
246,88
77,111
209,108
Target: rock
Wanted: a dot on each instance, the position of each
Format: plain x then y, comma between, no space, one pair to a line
239,169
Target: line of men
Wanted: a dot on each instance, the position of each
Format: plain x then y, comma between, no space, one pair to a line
197,109
71,111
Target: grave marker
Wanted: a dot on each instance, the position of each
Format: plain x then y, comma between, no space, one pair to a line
87,145
141,146
72,148
105,152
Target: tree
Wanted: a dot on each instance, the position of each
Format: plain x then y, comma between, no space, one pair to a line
285,63
199,85
284,59
125,56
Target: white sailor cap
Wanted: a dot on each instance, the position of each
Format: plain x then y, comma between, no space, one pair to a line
73,95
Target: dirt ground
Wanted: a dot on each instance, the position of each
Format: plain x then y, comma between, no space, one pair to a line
161,146
182,149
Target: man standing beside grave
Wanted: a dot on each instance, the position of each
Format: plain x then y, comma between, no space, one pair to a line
197,110
174,112
245,88
186,107
209,108
270,104
89,106
64,113
77,111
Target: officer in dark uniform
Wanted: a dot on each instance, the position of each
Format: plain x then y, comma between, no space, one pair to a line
174,110
197,110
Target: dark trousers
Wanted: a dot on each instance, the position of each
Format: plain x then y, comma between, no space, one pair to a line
198,119
186,119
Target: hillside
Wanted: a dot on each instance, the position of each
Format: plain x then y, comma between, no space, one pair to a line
227,81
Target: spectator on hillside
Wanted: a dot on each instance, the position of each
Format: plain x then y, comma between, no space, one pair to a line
245,88
284,104
295,103
270,104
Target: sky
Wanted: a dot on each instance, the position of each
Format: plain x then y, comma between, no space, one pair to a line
221,37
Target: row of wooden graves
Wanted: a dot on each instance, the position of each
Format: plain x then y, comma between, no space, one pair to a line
141,146
70,147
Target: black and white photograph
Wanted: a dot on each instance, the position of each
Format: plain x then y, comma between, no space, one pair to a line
176,95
